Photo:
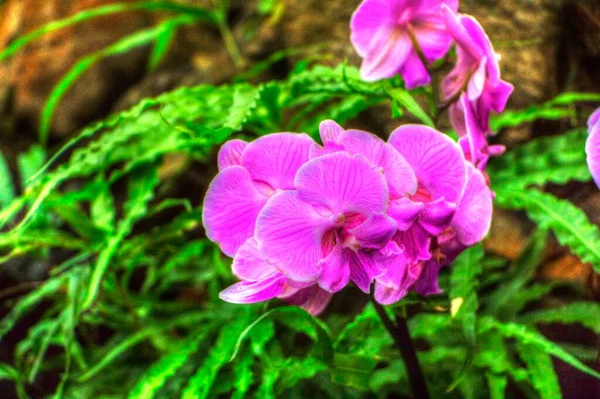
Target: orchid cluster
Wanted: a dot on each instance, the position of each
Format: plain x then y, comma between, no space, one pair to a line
302,220
406,36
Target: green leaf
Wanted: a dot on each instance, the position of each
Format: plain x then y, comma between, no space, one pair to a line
497,384
557,159
568,222
365,335
295,370
115,8
141,191
7,195
407,101
541,369
500,303
245,99
527,336
28,302
29,162
353,371
243,375
7,372
585,313
157,374
201,382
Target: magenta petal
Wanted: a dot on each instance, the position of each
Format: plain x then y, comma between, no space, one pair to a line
405,212
592,149
274,159
427,283
500,95
413,71
433,37
474,213
437,161
312,299
231,206
594,120
289,234
335,270
249,264
257,291
230,153
397,172
366,20
330,131
343,183
436,216
363,270
477,81
416,242
392,286
388,50
376,231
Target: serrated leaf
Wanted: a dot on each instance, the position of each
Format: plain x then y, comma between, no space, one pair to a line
7,195
28,302
497,385
141,191
298,320
541,370
295,370
557,159
568,222
406,100
353,370
585,313
527,336
199,385
158,373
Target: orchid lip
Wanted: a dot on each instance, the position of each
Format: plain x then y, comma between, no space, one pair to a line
338,219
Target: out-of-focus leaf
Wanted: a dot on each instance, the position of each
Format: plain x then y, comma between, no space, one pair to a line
585,313
568,222
543,376
406,100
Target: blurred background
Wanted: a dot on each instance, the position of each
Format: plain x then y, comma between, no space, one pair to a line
547,47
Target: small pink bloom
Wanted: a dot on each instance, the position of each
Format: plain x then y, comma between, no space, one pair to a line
477,75
592,146
384,33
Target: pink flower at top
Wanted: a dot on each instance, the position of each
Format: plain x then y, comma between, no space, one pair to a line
592,146
477,75
385,32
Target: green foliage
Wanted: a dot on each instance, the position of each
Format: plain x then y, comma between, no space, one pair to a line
132,305
569,223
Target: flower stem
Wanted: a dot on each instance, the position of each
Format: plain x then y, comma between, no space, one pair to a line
401,336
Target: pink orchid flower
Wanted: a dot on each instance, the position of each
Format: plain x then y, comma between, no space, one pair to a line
592,146
477,75
390,34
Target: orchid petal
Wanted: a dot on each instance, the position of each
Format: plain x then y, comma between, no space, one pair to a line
397,172
473,216
313,299
436,216
592,149
330,131
413,71
416,243
388,50
249,264
363,270
290,233
256,291
231,206
438,161
376,231
427,283
343,183
274,159
477,81
366,20
335,270
405,212
230,154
